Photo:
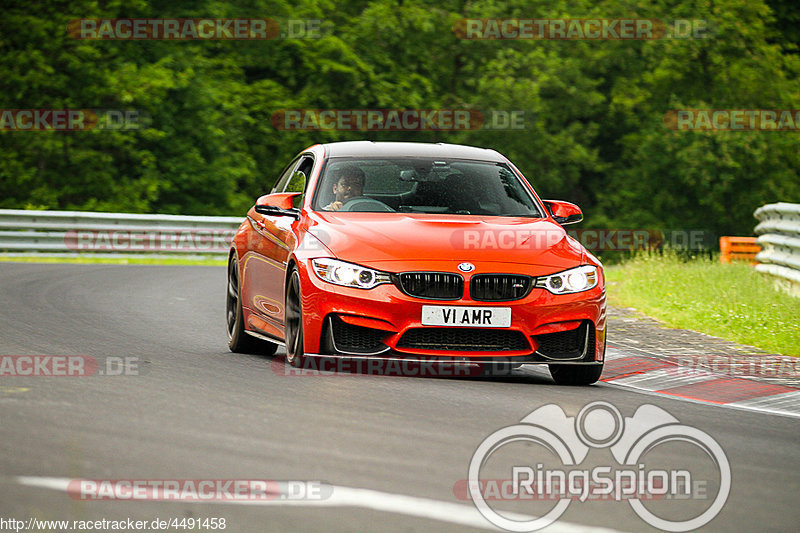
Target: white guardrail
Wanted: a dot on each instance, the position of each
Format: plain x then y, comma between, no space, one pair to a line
779,236
78,233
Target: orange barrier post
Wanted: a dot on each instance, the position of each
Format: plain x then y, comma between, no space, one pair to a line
738,249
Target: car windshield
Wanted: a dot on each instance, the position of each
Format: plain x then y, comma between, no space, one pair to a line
422,185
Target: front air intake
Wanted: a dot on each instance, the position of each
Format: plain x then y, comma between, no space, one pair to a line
432,285
499,287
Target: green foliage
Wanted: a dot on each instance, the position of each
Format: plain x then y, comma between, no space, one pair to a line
731,301
594,110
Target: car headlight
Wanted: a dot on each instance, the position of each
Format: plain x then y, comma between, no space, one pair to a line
348,274
577,279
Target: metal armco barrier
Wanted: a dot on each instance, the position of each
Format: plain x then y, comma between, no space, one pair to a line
779,236
78,232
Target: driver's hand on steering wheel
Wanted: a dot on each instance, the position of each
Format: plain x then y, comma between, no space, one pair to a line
335,206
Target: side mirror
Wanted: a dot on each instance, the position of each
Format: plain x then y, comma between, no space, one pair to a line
564,212
278,205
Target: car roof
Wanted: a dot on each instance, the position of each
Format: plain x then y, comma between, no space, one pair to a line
410,149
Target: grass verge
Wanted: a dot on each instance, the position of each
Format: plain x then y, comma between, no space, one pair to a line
731,301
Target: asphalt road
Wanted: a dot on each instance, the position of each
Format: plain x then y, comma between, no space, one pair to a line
197,411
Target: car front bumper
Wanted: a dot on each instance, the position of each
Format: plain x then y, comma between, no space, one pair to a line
384,322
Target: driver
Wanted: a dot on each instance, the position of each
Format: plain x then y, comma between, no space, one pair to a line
349,184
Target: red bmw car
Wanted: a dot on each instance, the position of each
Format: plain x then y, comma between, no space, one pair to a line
415,251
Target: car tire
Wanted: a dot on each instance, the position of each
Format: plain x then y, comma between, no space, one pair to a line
294,320
238,340
576,374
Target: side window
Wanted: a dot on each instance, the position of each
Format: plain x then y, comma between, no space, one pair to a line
284,179
298,180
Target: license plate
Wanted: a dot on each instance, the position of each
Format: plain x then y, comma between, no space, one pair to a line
447,315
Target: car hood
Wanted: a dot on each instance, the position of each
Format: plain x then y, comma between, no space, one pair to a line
379,238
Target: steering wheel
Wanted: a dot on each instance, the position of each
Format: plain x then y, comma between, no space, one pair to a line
365,204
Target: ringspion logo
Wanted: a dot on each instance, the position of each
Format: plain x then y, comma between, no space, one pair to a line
547,467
